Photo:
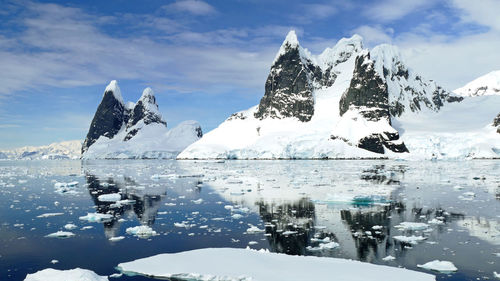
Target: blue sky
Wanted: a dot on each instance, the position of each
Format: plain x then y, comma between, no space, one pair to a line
206,59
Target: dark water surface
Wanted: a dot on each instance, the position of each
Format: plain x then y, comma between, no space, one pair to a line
200,204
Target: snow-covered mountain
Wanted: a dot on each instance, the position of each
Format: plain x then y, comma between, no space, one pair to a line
58,150
351,102
485,85
134,130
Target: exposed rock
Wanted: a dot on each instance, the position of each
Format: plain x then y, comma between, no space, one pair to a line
145,110
407,90
288,90
367,92
108,118
496,123
368,95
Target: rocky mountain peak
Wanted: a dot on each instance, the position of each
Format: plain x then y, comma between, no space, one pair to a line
288,89
109,117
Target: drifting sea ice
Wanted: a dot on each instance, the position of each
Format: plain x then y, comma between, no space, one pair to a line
112,197
412,226
48,215
228,264
60,234
437,265
409,239
96,217
76,274
141,231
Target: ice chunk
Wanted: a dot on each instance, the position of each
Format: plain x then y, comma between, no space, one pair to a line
409,239
141,231
324,246
412,226
60,234
118,238
253,229
76,274
437,265
243,264
70,226
97,217
112,197
48,215
389,258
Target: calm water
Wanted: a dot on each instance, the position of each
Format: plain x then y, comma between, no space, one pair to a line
195,205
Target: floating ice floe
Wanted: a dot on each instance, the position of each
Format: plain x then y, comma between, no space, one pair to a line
389,258
253,229
112,197
437,265
412,226
60,234
227,264
141,231
97,217
409,239
70,226
76,274
323,246
66,187
117,238
435,221
48,215
496,275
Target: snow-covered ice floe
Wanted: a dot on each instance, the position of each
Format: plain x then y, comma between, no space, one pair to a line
141,231
60,234
437,265
76,274
228,264
96,217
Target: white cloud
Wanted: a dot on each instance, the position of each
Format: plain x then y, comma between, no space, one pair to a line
389,10
483,12
68,49
374,35
195,7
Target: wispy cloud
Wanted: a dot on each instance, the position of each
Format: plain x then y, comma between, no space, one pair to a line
195,7
484,12
60,46
374,35
389,10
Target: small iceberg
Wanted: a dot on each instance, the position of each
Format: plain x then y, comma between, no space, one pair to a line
97,217
60,234
76,274
141,231
437,265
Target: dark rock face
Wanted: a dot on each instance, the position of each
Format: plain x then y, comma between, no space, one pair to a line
288,92
140,112
496,123
107,120
367,92
199,132
368,95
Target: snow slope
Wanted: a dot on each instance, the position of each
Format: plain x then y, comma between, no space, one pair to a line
154,141
227,264
485,85
430,121
58,150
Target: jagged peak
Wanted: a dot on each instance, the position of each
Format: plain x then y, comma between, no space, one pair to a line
292,43
340,52
291,40
389,58
148,101
115,89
